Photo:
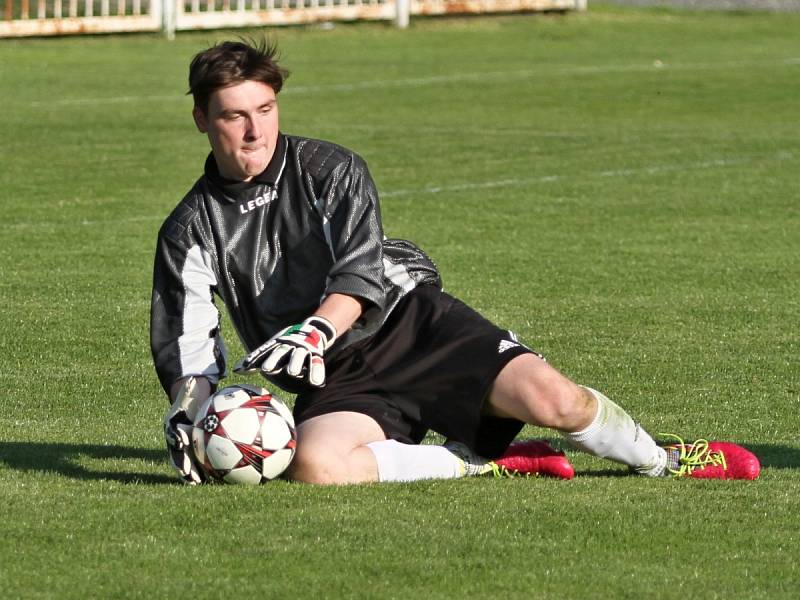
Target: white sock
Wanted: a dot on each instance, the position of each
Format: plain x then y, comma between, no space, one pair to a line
412,462
614,435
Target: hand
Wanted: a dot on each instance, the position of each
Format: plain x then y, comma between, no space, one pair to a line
296,351
178,422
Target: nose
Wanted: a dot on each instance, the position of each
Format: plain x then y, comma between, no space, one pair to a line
253,130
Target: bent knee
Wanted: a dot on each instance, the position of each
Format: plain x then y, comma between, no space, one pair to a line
323,467
569,407
331,449
538,394
318,468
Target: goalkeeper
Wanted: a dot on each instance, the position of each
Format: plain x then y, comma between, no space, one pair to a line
287,232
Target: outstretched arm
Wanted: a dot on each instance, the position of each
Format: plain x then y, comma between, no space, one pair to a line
295,355
341,310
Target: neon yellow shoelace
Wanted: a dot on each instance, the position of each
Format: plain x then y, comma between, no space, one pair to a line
500,471
694,456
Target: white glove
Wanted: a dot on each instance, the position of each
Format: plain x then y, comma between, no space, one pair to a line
178,422
296,351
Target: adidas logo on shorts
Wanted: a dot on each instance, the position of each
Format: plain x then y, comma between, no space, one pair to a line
506,345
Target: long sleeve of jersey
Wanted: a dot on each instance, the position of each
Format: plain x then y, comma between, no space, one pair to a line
185,335
272,249
352,229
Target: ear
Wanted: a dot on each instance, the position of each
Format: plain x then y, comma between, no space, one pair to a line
200,119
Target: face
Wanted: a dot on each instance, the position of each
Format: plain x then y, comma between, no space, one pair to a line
242,127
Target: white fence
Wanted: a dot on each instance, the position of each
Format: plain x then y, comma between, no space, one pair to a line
203,14
61,17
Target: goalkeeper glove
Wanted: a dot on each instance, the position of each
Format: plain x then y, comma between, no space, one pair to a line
178,422
296,351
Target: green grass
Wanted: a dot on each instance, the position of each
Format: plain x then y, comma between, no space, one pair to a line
620,187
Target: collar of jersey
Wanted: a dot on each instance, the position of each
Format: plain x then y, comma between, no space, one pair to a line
268,176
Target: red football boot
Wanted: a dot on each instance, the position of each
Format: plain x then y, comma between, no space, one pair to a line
534,457
711,460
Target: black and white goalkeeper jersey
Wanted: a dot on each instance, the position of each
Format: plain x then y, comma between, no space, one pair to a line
272,249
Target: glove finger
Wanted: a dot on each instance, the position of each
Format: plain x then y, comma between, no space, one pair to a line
184,433
177,431
276,360
182,462
256,357
172,438
243,365
194,476
316,374
297,362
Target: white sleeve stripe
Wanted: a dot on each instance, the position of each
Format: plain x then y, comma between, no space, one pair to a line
398,275
195,346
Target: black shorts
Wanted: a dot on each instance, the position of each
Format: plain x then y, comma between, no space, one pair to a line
430,366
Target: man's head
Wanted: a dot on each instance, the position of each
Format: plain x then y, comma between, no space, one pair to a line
234,86
229,63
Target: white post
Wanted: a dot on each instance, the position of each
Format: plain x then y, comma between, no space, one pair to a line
156,7
403,13
168,10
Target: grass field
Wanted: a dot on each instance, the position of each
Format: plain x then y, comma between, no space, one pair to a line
620,187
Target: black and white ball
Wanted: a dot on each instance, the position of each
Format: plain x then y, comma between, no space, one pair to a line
242,434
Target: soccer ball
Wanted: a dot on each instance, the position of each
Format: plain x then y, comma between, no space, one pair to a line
242,434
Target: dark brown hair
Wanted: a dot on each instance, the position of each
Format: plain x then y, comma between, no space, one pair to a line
229,63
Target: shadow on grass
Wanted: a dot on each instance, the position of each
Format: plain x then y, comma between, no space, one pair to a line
771,456
65,459
774,456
